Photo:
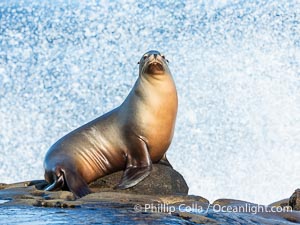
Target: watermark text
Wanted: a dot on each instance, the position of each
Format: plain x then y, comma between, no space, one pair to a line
217,208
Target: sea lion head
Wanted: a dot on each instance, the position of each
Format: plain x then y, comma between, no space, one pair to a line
154,63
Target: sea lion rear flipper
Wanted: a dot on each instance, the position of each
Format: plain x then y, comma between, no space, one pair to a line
76,184
58,184
139,166
165,161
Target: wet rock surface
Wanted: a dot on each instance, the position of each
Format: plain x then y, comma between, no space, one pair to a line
256,213
163,180
162,195
280,203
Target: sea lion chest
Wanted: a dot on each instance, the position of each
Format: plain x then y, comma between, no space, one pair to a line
150,111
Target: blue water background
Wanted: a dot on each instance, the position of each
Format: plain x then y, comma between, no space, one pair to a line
235,64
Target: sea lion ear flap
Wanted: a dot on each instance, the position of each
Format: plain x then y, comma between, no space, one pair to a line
163,56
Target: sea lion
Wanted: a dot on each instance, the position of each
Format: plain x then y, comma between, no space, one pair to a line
130,137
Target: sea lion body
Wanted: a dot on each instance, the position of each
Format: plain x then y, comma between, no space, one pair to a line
128,138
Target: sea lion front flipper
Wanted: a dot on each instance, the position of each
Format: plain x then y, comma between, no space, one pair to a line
139,165
132,176
76,184
165,161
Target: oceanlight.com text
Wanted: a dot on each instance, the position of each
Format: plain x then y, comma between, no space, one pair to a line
217,208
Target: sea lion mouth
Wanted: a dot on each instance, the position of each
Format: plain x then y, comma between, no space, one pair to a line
155,68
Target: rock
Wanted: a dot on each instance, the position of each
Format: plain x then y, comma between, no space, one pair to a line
195,218
281,203
231,202
163,193
16,185
2,185
261,214
65,195
22,194
294,200
163,180
187,200
184,209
